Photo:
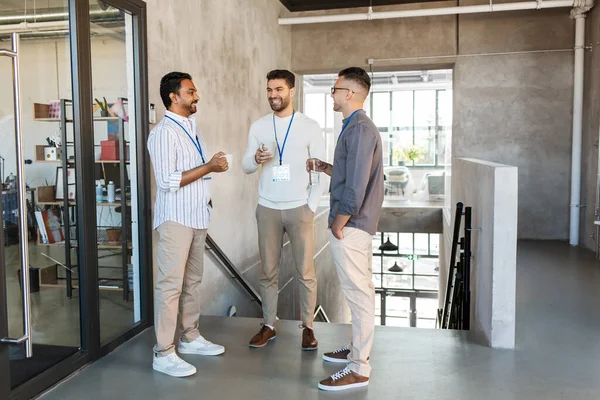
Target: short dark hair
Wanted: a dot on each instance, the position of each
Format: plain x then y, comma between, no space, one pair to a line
171,83
289,77
357,75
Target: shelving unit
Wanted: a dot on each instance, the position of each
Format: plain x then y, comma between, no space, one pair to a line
41,113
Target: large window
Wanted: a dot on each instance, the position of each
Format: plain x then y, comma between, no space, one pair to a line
410,110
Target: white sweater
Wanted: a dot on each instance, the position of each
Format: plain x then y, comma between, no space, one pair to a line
305,140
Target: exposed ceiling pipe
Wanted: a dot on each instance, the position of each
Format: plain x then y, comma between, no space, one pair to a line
578,14
428,12
55,14
38,25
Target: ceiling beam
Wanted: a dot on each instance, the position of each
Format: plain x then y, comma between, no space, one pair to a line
312,5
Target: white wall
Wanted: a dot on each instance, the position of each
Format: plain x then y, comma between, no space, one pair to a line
492,191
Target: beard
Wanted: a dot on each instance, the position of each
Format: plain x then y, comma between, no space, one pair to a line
192,107
278,103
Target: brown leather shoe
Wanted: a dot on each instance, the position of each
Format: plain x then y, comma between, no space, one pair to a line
338,356
345,379
263,336
309,342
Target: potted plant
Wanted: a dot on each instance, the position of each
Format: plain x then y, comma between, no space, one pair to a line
413,153
103,107
114,234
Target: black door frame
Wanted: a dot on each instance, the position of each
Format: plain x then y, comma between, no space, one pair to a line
81,75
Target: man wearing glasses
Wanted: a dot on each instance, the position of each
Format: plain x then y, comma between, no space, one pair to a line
281,142
355,206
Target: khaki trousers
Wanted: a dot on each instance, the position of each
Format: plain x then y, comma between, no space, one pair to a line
180,255
353,258
299,225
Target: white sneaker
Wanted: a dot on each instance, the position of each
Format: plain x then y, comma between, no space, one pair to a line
200,346
173,365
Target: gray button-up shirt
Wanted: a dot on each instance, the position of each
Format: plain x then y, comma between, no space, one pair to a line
357,178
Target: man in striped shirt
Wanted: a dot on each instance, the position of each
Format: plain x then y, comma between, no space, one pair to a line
181,215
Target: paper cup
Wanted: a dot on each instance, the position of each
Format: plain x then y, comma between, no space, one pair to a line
229,158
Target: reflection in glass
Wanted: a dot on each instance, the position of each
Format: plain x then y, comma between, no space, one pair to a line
115,143
45,77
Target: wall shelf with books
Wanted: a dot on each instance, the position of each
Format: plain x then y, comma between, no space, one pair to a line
60,200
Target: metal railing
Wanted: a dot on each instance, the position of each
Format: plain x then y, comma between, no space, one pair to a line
228,264
456,313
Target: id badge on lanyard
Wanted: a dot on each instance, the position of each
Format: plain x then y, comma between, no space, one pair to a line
281,172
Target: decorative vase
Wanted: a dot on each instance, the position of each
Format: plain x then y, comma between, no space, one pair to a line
114,234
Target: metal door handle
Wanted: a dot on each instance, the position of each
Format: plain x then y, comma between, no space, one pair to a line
21,191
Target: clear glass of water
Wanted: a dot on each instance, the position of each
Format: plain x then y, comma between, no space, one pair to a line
315,176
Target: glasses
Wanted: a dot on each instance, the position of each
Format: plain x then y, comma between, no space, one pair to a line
333,89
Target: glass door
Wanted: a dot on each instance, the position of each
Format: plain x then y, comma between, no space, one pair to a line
69,292
42,321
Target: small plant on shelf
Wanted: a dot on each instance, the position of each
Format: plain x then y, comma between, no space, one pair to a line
103,107
411,154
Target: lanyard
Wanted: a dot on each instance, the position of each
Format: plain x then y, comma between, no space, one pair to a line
286,136
196,142
346,123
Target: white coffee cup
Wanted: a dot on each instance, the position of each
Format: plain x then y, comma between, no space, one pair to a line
271,147
229,158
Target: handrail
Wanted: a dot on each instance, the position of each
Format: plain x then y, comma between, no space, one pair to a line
456,312
216,250
457,218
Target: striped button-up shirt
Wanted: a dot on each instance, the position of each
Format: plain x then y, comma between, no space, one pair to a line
173,152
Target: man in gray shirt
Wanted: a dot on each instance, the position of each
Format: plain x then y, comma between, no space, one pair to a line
356,199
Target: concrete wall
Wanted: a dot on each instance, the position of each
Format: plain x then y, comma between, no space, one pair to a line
512,109
491,190
591,124
228,47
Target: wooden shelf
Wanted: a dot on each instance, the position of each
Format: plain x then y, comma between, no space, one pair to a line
110,162
72,203
41,112
54,203
50,120
101,246
70,120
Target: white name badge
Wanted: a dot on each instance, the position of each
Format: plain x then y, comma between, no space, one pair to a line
281,173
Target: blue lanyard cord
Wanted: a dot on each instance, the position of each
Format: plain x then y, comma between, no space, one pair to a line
195,142
346,124
286,136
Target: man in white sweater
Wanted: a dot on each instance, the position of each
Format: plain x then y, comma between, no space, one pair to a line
281,142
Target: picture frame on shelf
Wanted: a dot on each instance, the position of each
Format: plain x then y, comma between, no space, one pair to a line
59,194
